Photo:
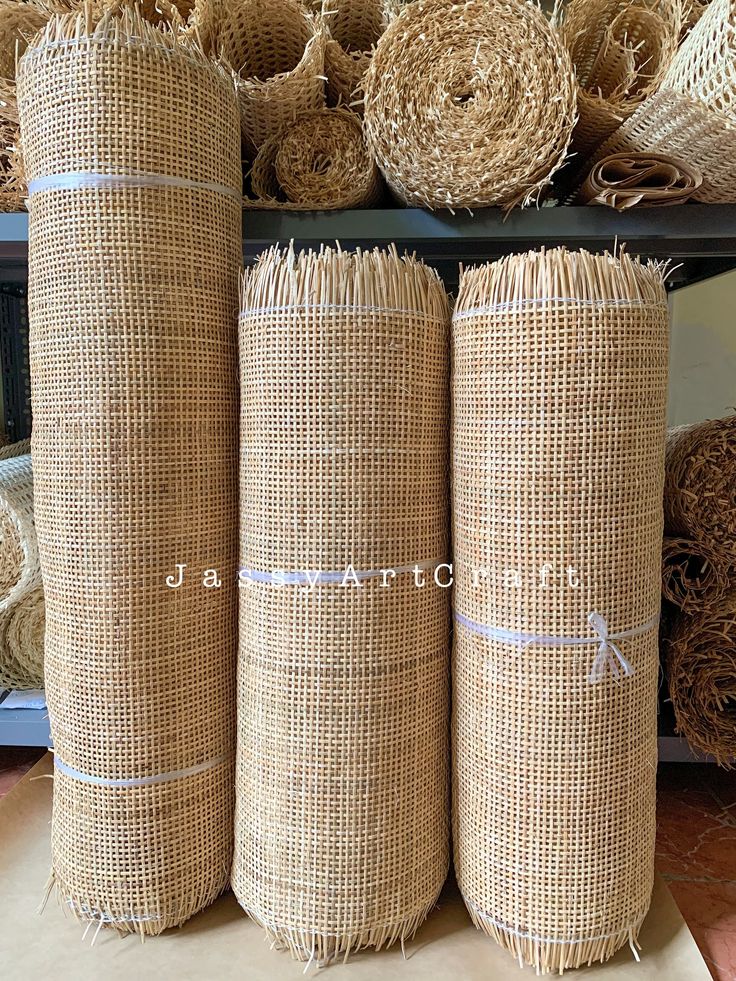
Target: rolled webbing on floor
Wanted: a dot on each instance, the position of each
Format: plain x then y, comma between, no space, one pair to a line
341,776
131,140
559,395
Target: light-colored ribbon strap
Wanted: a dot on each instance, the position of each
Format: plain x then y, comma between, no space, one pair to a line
190,771
609,653
85,178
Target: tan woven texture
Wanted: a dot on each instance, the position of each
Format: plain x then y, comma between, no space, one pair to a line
20,448
648,180
341,837
559,395
693,116
278,49
134,465
22,642
700,484
20,569
354,29
621,51
701,670
320,162
694,575
470,104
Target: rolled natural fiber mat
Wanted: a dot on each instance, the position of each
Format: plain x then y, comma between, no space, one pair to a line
620,52
341,783
700,484
19,21
278,47
21,448
354,30
318,162
694,575
20,570
559,396
135,213
22,641
701,670
469,104
626,180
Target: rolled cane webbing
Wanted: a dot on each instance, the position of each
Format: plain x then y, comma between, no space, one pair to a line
559,394
341,815
694,575
22,641
621,52
354,29
628,180
319,162
469,104
135,465
700,484
20,569
701,671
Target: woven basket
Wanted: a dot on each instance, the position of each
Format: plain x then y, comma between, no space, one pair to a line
278,48
700,484
20,569
320,162
342,811
693,116
469,105
620,52
559,396
135,465
701,670
21,642
694,576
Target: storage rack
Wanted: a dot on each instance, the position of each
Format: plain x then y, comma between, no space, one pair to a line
698,239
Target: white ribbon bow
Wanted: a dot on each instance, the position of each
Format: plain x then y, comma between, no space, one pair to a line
609,653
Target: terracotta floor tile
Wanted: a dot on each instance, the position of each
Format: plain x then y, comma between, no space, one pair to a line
710,912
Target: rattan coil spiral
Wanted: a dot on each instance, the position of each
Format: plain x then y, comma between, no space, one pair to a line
695,576
20,569
22,630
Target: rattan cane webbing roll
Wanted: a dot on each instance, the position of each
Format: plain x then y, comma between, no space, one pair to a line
342,771
354,29
700,484
469,104
701,672
559,394
695,576
134,447
319,162
22,642
20,569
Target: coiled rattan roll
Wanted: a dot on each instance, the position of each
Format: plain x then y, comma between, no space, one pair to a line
693,115
559,396
22,629
320,162
20,569
469,104
354,29
701,672
134,450
695,576
341,815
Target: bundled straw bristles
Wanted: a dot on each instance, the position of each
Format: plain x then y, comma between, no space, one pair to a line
277,47
22,642
469,104
695,576
620,52
134,465
559,396
700,484
701,671
693,115
319,162
342,814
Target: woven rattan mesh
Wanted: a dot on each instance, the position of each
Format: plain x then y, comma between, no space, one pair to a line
132,305
22,447
20,570
620,52
318,162
701,671
354,30
341,782
21,642
695,576
700,484
469,104
559,394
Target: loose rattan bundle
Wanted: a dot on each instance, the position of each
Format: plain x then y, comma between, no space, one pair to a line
319,162
20,569
469,104
341,814
701,671
620,52
134,465
559,396
648,180
700,484
22,642
278,49
693,115
695,576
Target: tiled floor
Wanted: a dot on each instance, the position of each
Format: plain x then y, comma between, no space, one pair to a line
696,848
